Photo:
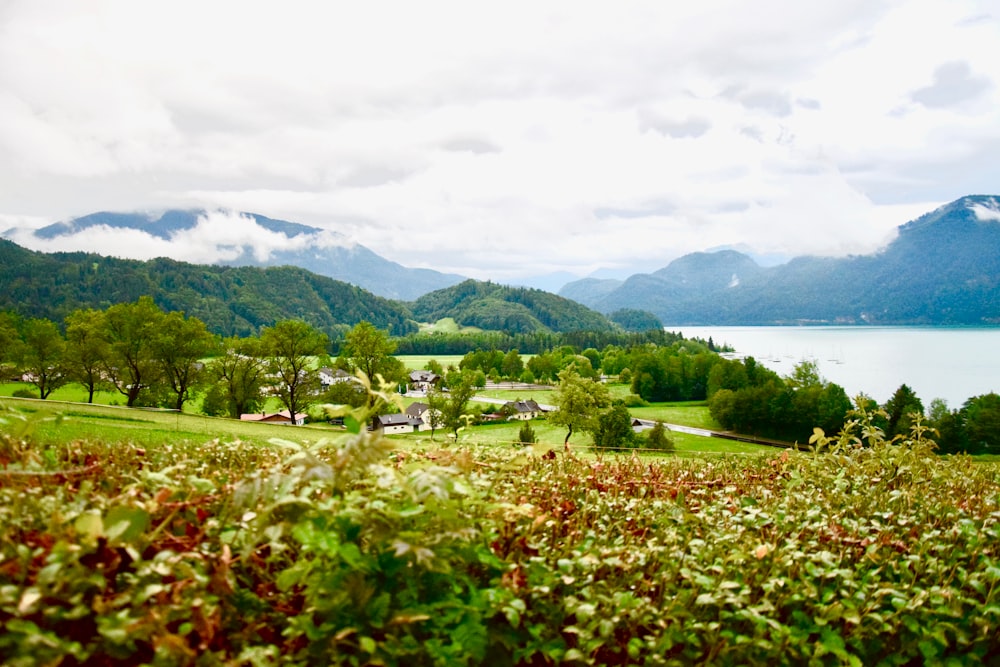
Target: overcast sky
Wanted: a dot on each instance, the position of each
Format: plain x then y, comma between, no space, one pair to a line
507,139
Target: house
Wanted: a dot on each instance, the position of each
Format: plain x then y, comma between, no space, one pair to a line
331,376
424,380
523,410
423,412
283,417
397,423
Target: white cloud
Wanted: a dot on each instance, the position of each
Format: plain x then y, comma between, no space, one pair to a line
987,211
217,236
507,140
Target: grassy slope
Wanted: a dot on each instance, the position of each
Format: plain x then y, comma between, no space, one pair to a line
56,421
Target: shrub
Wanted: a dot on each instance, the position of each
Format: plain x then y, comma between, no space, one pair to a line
526,436
658,438
635,401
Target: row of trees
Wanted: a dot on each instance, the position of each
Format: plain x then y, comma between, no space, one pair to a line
746,397
157,358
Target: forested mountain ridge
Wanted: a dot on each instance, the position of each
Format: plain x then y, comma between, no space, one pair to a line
229,300
942,269
491,306
320,251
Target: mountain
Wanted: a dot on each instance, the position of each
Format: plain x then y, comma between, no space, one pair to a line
942,269
230,300
589,290
248,239
512,309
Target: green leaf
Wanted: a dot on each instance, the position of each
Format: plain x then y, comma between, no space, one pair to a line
125,524
89,526
352,425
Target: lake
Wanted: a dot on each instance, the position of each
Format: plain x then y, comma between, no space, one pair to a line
936,362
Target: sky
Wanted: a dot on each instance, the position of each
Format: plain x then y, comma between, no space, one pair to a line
503,140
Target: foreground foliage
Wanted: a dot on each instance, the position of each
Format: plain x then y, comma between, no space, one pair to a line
346,552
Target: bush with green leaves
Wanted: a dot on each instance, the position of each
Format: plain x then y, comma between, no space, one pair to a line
526,435
658,438
351,551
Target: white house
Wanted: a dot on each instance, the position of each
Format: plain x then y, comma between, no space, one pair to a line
423,412
397,423
524,410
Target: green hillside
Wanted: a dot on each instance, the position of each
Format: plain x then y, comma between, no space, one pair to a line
230,300
491,306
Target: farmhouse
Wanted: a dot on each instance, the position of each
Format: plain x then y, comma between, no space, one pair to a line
424,380
397,423
523,410
283,417
423,412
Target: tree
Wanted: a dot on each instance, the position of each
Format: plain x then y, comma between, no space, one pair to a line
434,366
436,399
180,345
613,429
804,375
43,356
981,419
350,393
10,341
594,356
452,409
86,348
130,330
512,365
904,402
526,436
578,401
239,373
543,366
658,438
613,360
290,346
369,350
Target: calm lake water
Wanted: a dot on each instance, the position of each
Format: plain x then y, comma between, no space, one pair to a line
936,362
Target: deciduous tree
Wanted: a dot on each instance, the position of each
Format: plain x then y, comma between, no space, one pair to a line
453,405
9,338
180,345
578,401
130,330
613,428
43,356
291,347
240,372
86,348
369,350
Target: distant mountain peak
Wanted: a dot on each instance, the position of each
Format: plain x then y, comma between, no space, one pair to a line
942,268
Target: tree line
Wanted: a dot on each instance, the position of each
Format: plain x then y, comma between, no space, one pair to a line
155,358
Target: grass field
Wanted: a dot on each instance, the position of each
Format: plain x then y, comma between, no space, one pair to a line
696,415
416,362
53,421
